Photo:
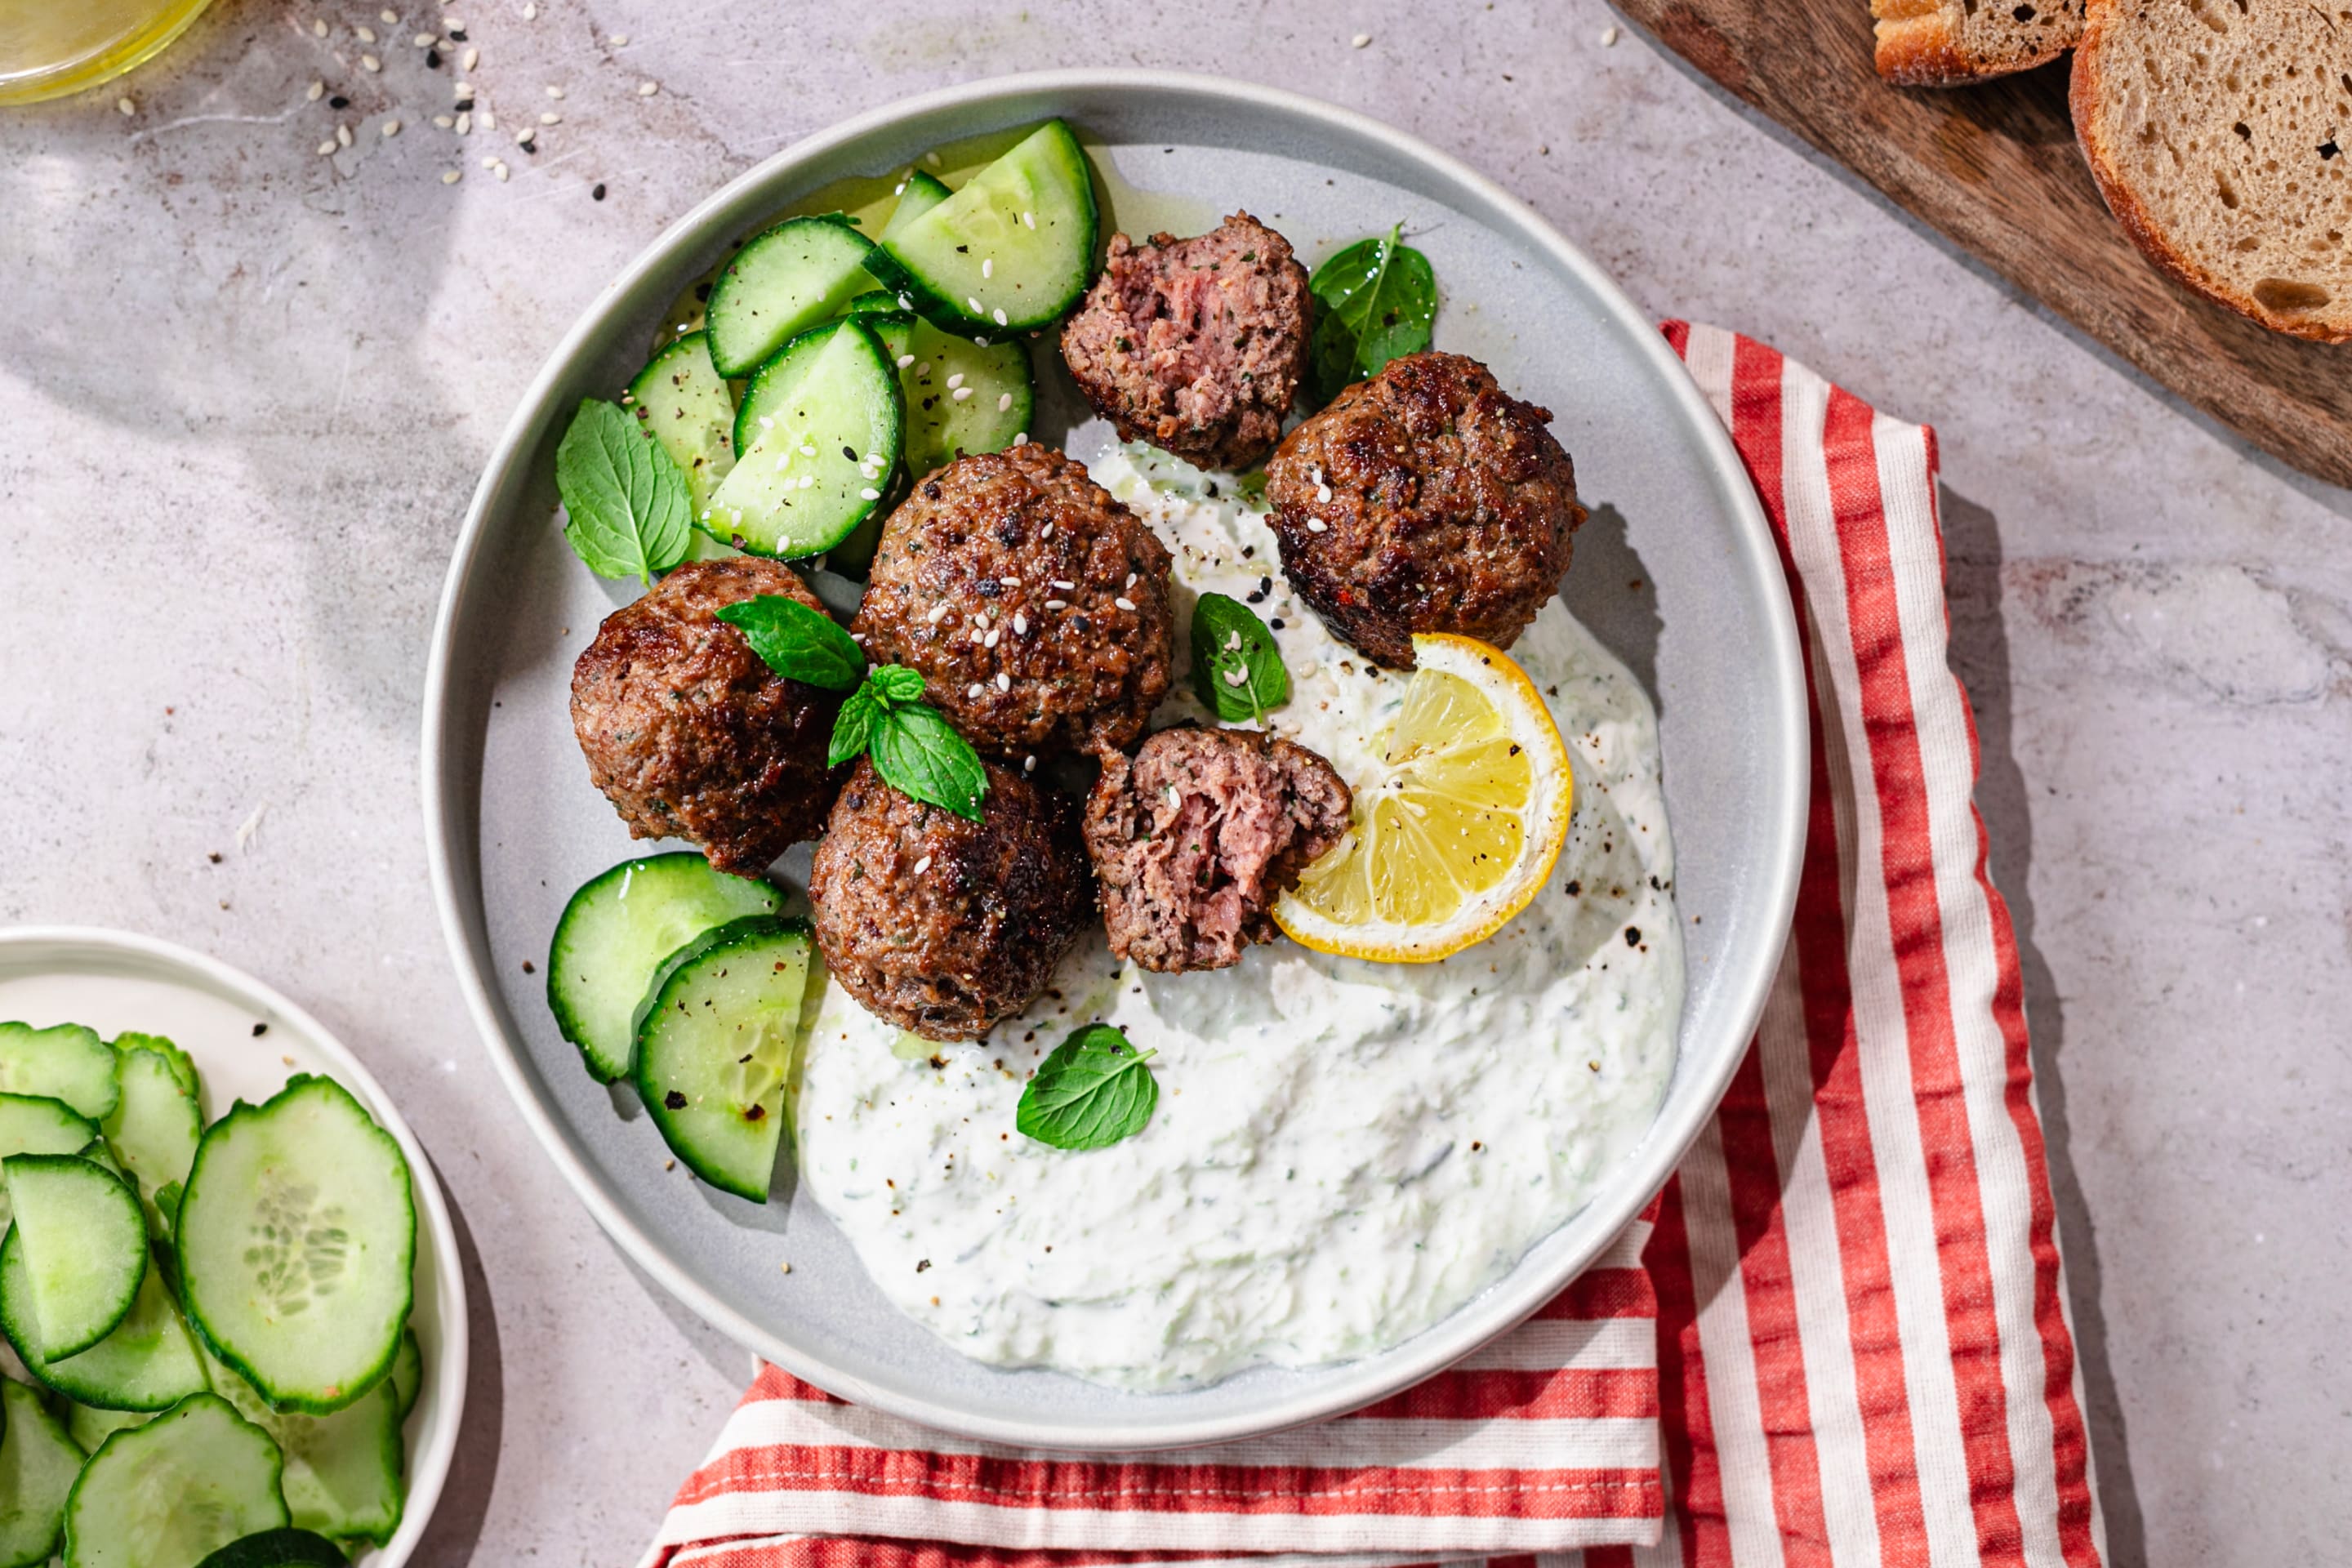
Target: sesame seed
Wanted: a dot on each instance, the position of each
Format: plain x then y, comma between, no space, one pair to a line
1057,605
553,90
973,303
904,361
1047,532
1235,676
1028,220
444,121
1003,403
619,40
424,41
960,392
366,35
462,91
975,689
1124,603
388,17
342,135
933,159
502,174
1360,41
980,620
465,120
469,59
807,450
391,128
997,316
766,422
490,163
807,479
327,148
526,136
1315,525
906,303
1323,493
1065,586
980,342
370,63
956,379
870,493
922,864
451,176
990,640
530,12
1010,581
1020,625
315,90
1232,642
549,117
1130,581
648,89
1004,682
318,29
1028,764
490,121
873,459
1609,38
935,612
988,266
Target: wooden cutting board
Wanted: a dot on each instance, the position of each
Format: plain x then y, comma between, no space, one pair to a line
1996,168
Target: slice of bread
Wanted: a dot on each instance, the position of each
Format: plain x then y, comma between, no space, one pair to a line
1949,43
2221,134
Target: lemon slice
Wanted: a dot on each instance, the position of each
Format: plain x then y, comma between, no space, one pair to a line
1457,827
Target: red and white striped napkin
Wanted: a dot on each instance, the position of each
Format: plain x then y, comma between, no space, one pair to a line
1840,1336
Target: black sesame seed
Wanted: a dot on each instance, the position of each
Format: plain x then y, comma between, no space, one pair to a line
338,102
1632,936
598,194
674,1100
259,1030
432,60
457,34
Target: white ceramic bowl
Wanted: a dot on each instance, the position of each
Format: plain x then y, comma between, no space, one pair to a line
115,980
1678,573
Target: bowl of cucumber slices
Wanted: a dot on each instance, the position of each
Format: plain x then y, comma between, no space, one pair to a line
229,1291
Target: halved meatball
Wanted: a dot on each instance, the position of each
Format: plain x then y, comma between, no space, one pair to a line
1035,606
1194,839
1195,345
1425,500
690,734
941,924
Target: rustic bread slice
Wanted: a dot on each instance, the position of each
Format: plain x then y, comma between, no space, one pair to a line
1949,43
2221,134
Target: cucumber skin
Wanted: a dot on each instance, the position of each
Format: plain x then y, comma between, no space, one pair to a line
919,194
290,1547
96,1396
950,315
23,1410
756,925
97,1060
568,1023
28,1165
716,308
151,1431
208,1339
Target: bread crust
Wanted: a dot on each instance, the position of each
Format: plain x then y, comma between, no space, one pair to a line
1917,44
2084,91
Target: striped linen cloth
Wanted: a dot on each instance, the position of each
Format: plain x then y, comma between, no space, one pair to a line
1839,1337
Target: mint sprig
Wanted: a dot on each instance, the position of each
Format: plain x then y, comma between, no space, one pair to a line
1238,670
628,514
1090,1093
917,751
1375,302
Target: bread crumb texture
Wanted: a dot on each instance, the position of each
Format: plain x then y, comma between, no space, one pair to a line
1949,43
2219,132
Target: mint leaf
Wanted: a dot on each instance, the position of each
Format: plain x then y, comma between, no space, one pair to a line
853,726
1237,672
1375,302
918,753
798,642
627,513
896,683
1091,1092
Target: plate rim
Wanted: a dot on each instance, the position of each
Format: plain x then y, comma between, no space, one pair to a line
1747,974
429,1467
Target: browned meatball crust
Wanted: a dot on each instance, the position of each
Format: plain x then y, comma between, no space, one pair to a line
1425,500
943,925
1194,839
689,734
1195,345
1033,604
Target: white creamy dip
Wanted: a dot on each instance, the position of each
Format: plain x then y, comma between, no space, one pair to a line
1343,1152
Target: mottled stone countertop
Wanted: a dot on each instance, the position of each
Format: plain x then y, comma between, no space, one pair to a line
249,388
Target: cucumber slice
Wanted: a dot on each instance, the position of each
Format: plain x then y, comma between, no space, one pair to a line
716,1046
782,283
875,308
66,1062
175,1491
919,194
615,933
36,1124
83,1246
343,1471
149,1362
939,424
824,423
38,1462
287,1548
684,404
297,1243
184,1067
89,1425
155,1128
407,1372
1011,250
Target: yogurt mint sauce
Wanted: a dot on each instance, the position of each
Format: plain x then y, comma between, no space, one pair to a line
1343,1152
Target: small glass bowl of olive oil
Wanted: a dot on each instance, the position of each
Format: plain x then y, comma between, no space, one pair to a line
52,48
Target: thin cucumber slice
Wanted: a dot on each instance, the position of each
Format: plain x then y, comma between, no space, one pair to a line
615,933
66,1062
918,195
1011,250
941,424
717,1045
83,1246
36,1124
684,404
175,1491
298,1244
824,423
287,1548
343,1471
782,283
877,307
38,1462
183,1066
89,1425
154,1130
407,1372
149,1362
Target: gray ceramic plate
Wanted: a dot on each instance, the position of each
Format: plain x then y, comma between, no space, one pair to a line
1676,573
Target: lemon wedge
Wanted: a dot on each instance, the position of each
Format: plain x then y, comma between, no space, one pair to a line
1456,828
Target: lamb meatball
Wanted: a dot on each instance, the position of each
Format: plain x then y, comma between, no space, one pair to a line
1425,500
943,925
1195,838
1195,345
1035,606
689,734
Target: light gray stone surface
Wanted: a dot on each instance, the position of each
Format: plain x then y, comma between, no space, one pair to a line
247,388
